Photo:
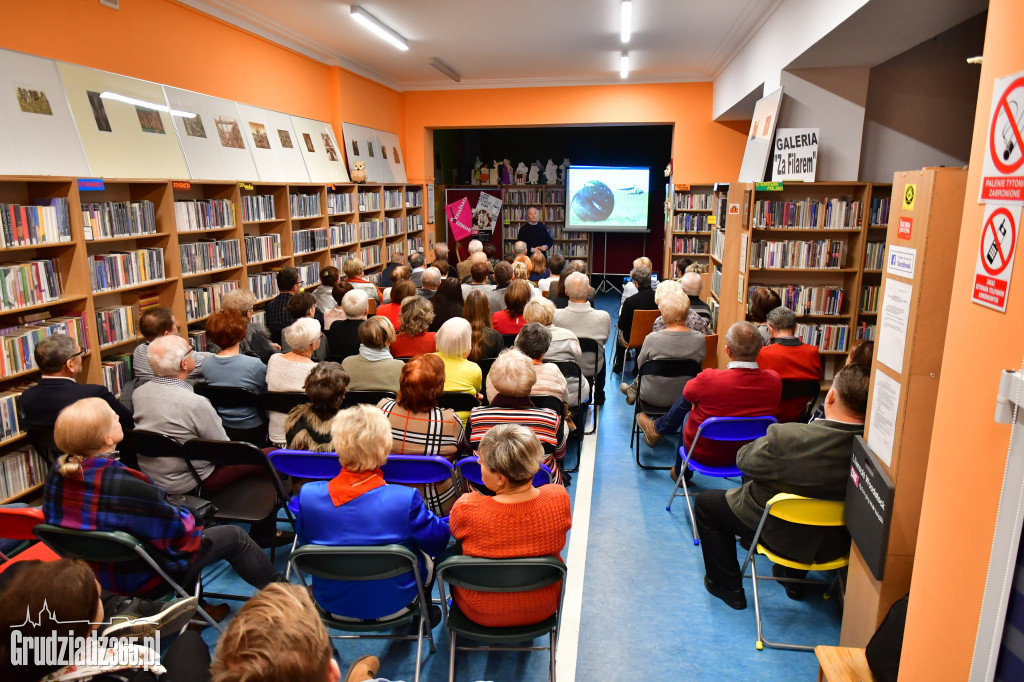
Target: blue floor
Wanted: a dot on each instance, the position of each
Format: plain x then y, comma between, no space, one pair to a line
645,614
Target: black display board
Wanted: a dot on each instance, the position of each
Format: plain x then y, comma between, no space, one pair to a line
492,233
869,497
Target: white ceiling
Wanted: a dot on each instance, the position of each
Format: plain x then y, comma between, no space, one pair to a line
508,43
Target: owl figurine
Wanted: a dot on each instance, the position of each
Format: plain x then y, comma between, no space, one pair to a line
359,172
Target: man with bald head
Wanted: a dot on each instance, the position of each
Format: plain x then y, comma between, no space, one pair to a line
430,281
462,270
692,285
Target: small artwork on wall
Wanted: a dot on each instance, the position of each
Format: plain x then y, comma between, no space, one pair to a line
286,139
369,149
194,126
394,152
259,135
309,143
230,133
34,102
355,147
332,153
99,111
384,152
150,120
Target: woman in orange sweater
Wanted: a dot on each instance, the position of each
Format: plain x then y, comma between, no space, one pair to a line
519,521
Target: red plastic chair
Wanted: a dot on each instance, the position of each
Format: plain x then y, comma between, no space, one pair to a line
17,523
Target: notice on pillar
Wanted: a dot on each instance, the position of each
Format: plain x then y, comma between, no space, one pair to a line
992,271
885,405
893,321
1002,174
795,155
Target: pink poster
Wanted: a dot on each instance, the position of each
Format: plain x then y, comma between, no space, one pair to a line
459,218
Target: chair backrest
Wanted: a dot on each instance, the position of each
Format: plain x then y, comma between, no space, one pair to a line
89,545
228,396
469,467
501,575
225,453
417,469
550,402
153,444
509,339
42,440
807,511
365,397
797,389
458,401
733,429
322,466
572,372
485,367
273,401
588,346
18,523
371,307
669,368
710,352
643,324
354,562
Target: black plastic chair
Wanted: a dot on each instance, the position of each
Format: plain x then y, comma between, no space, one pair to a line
157,445
499,575
592,347
660,368
273,401
42,440
808,389
485,368
457,401
509,339
228,396
365,397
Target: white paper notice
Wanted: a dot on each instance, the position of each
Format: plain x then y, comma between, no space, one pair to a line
893,322
743,253
885,403
740,290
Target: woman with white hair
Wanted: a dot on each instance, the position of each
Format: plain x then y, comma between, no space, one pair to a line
373,368
693,320
454,340
533,341
343,336
286,372
564,344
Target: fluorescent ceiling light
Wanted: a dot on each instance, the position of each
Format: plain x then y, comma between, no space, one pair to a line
378,27
624,65
445,69
627,19
146,105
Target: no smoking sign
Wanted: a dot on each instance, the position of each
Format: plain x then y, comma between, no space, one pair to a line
1002,175
995,256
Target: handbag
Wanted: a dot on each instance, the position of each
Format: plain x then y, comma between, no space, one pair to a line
202,510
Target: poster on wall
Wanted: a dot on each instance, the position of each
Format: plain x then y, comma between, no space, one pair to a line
37,132
474,197
391,162
795,155
1002,171
213,136
274,145
319,149
361,146
759,140
999,237
486,214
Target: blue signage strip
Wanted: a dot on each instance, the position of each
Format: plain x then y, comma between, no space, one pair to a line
87,184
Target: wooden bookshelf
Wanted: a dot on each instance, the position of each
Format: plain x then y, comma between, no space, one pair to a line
690,217
549,200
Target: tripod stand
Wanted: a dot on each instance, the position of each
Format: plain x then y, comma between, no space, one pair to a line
605,285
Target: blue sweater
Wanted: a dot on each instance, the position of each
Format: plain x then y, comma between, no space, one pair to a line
242,371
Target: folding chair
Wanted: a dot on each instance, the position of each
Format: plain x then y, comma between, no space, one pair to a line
499,575
805,511
592,347
149,444
721,429
18,523
229,397
805,389
485,367
113,547
363,563
414,470
457,401
509,339
469,469
560,408
365,398
643,324
660,368
274,401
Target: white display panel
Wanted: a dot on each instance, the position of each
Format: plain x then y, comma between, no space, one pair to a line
320,150
361,145
274,145
215,140
392,161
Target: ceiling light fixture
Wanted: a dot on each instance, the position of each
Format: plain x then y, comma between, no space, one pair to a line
624,65
627,19
378,27
445,69
146,105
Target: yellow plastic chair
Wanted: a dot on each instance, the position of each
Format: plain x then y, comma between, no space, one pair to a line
805,511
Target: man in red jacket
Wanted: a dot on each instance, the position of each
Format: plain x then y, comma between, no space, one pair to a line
791,358
742,390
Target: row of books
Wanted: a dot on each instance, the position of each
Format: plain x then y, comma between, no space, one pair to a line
115,324
19,342
304,205
369,201
865,332
343,233
117,371
413,198
10,413
393,226
528,196
199,340
21,470
413,223
112,219
206,299
393,248
414,244
392,199
125,268
874,256
46,221
691,222
807,299
827,337
306,241
263,285
809,214
879,211
716,280
694,202
258,207
714,306
339,203
204,256
571,250
203,214
29,283
820,254
690,246
259,317
309,273
554,213
370,255
371,229
718,243
262,247
518,213
869,298
561,233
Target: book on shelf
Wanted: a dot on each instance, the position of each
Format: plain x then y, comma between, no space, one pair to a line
112,219
262,247
865,332
827,337
259,317
306,241
371,229
343,233
553,213
29,283
554,196
370,255
338,202
879,211
690,246
869,298
309,273
413,223
393,248
530,196
693,202
874,256
205,299
19,342
203,214
263,285
809,214
199,340
691,222
10,411
718,244
116,323
414,244
125,268
305,205
369,200
392,199
20,470
206,255
714,306
393,227
46,221
413,198
821,254
570,250
716,280
117,371
256,207
802,299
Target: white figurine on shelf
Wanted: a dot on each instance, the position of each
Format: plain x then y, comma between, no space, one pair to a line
476,171
521,173
551,173
535,172
561,170
495,172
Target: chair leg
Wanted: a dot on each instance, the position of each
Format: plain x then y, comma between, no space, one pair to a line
551,639
419,645
288,569
675,489
757,604
451,656
689,505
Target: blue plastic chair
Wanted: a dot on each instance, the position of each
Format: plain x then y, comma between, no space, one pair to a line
727,429
469,467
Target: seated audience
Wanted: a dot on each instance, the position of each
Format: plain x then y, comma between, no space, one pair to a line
533,341
692,285
791,358
762,302
557,293
358,508
373,368
485,342
513,377
395,261
447,302
336,313
288,284
441,251
400,274
862,355
454,341
155,322
474,246
539,267
681,266
583,320
353,269
675,342
416,267
564,345
302,305
502,278
308,426
325,302
643,299
521,271
491,251
414,339
227,329
812,460
429,282
443,267
511,320
479,274
420,427
630,288
392,310
257,341
59,358
343,336
556,263
287,372
518,521
693,320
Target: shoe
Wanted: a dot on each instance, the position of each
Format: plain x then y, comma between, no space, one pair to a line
736,599
143,618
217,612
630,391
280,539
617,369
646,424
794,591
362,669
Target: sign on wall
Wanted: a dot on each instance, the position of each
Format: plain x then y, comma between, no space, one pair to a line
759,141
1002,174
994,265
795,154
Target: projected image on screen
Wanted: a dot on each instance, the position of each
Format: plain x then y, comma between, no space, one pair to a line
606,198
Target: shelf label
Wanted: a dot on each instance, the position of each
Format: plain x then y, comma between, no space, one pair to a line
181,184
90,184
683,187
905,227
712,220
1002,172
246,185
767,186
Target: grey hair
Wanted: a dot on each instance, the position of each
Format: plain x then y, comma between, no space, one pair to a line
577,286
441,249
165,354
744,341
53,352
692,284
416,259
302,333
674,308
539,310
454,338
534,340
641,276
513,451
667,287
241,300
474,246
512,374
355,304
782,319
519,247
430,278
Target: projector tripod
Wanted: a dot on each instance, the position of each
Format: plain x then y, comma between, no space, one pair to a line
605,285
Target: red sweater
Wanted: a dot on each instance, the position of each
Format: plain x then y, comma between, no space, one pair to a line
504,323
791,361
728,393
496,530
390,311
406,346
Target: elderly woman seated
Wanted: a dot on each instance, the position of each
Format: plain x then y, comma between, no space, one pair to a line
510,320
513,377
343,336
230,368
414,339
420,427
454,341
393,309
358,508
675,342
353,269
308,426
533,341
286,372
565,345
518,521
299,306
373,369
693,320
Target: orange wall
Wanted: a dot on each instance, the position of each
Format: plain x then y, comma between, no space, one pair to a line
965,467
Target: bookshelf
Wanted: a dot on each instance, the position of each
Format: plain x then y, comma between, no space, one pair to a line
182,245
690,217
549,200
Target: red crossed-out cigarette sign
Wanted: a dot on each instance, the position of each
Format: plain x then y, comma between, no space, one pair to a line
995,256
1002,176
